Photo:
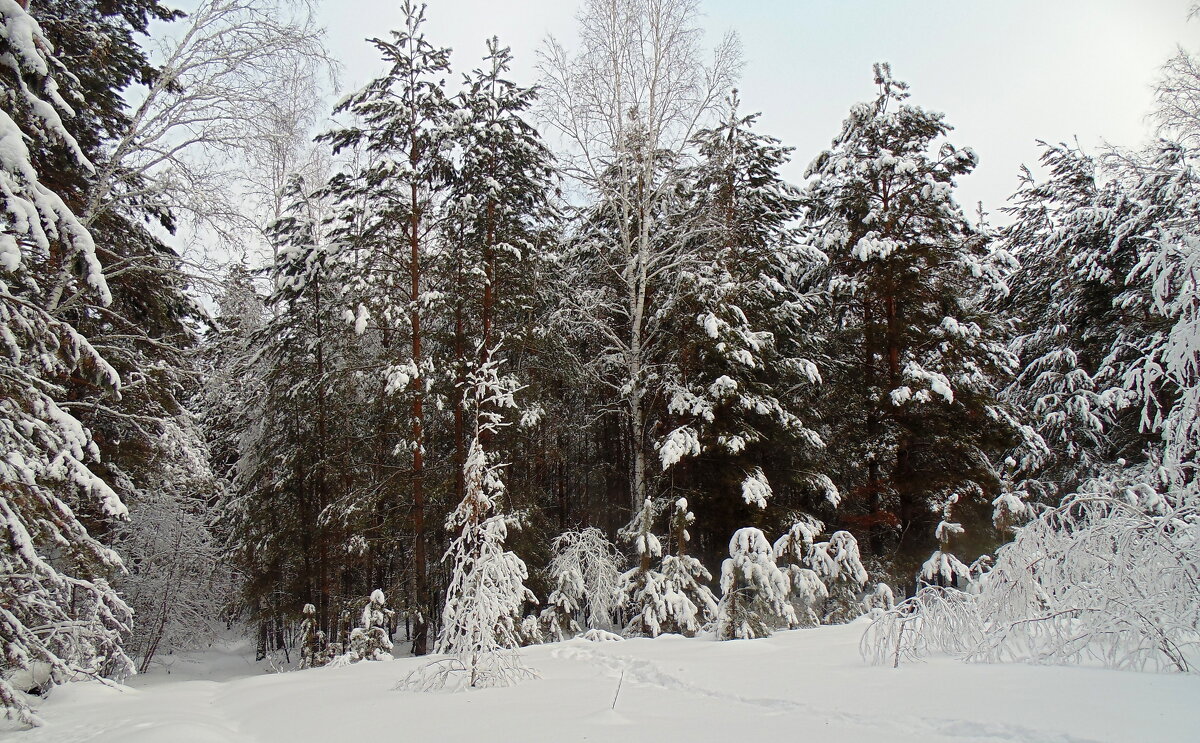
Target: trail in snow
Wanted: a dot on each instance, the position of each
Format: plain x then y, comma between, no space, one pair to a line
796,684
637,670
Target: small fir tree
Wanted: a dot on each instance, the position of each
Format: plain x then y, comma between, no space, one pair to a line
371,640
943,568
691,605
754,591
566,602
313,650
809,592
838,564
487,593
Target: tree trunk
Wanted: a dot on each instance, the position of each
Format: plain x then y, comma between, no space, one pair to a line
420,577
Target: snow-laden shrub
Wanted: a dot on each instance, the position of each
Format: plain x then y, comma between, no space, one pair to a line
565,603
1112,574
599,635
1112,577
598,563
754,591
530,631
176,583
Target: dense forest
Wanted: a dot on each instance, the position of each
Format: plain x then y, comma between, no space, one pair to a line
525,359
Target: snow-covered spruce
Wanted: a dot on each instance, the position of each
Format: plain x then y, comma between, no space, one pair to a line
827,578
754,591
672,598
312,640
696,607
565,603
641,589
742,384
943,568
59,617
371,639
487,594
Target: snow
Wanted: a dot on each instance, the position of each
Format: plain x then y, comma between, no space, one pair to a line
791,685
756,490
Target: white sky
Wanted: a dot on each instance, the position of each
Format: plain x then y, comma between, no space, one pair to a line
1005,73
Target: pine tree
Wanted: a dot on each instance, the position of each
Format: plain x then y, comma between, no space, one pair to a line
313,648
827,577
808,592
918,357
59,610
492,247
943,568
387,205
1091,336
838,565
1067,325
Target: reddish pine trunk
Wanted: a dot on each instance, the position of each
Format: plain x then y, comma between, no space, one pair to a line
420,579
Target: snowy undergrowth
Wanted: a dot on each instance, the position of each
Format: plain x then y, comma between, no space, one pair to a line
1111,577
795,683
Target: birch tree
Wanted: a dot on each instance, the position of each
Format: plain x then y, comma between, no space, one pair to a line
625,105
236,81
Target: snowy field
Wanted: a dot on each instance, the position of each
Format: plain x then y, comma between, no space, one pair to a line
803,685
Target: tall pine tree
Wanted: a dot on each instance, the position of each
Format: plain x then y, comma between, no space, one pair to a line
917,358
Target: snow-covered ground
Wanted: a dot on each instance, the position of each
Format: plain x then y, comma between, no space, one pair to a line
801,685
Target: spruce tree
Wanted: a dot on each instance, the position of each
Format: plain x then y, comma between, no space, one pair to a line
640,595
151,446
741,385
691,605
754,591
371,639
60,611
564,604
288,515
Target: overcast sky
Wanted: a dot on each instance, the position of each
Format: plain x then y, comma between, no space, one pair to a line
1005,73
